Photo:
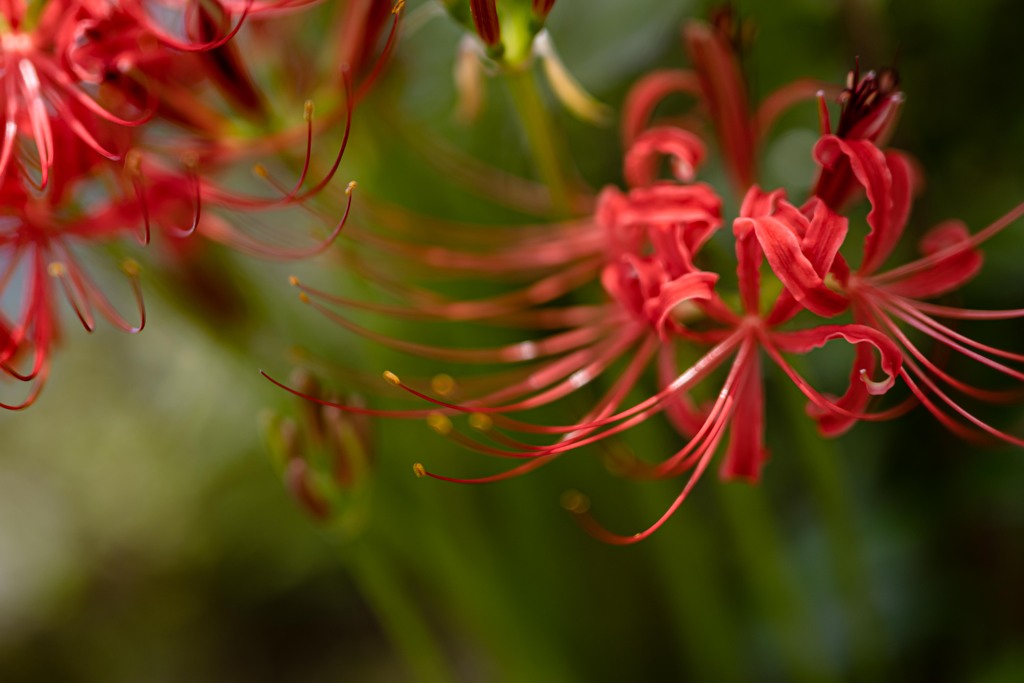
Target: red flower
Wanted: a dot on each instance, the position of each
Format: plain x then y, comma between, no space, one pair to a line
718,82
889,300
43,84
657,301
664,297
38,237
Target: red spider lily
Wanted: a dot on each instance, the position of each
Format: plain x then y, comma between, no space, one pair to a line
101,69
869,107
717,82
889,300
38,238
657,302
41,79
739,406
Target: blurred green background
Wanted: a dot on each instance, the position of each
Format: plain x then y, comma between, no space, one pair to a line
145,535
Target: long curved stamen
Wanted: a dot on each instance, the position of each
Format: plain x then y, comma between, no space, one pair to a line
820,401
942,416
296,194
68,86
955,340
691,453
967,389
621,421
937,257
248,245
483,422
966,313
385,54
76,297
134,8
429,304
40,381
542,291
595,529
520,351
544,252
604,408
517,471
552,381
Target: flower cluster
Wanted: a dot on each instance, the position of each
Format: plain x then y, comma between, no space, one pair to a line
658,284
119,117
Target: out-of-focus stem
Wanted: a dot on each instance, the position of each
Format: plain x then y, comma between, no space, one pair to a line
820,459
773,587
398,613
546,145
696,599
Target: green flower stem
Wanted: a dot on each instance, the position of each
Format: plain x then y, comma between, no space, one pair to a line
821,461
685,557
546,145
761,559
396,609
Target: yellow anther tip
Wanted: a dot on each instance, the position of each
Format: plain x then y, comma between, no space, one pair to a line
399,6
480,421
56,269
350,187
133,161
293,281
575,502
419,470
303,297
307,110
260,170
439,423
131,267
391,378
442,384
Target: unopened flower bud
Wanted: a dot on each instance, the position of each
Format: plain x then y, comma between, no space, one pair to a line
323,455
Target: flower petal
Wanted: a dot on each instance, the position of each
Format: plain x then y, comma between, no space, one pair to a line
783,250
816,337
746,453
949,272
886,179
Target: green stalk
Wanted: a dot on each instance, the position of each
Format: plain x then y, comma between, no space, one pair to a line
821,461
396,610
685,558
546,144
778,597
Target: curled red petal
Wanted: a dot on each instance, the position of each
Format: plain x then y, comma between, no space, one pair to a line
890,357
886,180
724,93
782,248
685,149
648,92
948,272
